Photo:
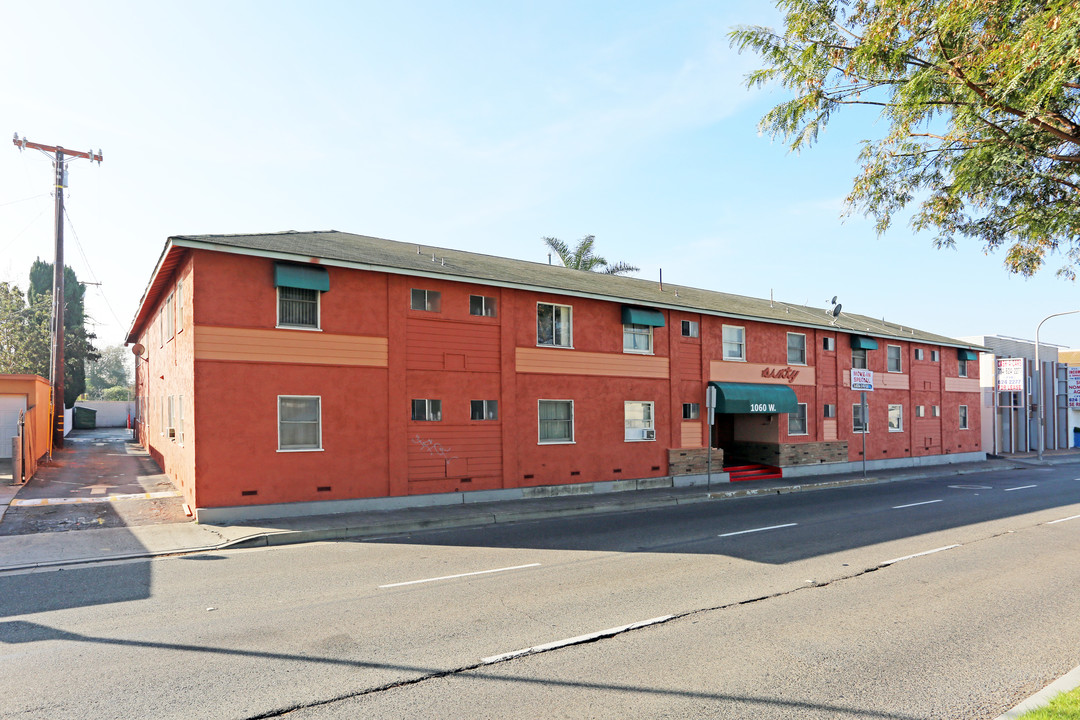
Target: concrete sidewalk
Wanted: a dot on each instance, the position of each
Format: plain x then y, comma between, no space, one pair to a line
52,549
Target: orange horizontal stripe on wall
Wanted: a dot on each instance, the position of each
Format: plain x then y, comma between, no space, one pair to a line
691,435
961,384
290,346
573,362
727,371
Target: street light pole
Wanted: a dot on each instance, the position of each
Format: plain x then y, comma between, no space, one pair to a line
1040,410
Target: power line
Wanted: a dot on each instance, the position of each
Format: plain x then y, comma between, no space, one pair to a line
93,275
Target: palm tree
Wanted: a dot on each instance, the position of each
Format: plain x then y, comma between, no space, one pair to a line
581,257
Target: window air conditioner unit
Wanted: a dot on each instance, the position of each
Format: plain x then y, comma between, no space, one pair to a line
648,434
172,433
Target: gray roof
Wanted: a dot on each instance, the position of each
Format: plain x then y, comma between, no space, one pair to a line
346,249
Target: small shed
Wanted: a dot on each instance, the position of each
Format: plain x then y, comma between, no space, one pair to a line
24,414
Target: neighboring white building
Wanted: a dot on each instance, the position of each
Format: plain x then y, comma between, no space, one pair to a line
1072,359
1009,402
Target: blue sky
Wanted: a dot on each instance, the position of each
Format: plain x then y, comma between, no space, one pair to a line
480,126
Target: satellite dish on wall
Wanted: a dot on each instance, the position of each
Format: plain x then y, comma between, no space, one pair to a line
137,349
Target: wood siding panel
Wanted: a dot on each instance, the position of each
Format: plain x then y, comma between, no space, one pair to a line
926,377
829,429
432,445
572,362
692,435
970,385
689,360
439,345
287,346
727,371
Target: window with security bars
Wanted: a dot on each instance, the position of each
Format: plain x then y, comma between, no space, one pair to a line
556,421
299,422
298,307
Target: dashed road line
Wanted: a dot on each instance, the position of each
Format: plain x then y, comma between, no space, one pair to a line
909,557
37,502
760,529
924,502
1022,487
574,640
460,575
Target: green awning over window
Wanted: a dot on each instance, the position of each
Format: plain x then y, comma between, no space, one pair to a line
757,398
306,277
642,316
967,354
861,342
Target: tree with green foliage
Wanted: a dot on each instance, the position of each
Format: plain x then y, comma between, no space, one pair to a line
109,377
980,100
582,257
24,332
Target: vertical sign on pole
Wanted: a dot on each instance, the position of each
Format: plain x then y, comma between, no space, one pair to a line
863,380
710,410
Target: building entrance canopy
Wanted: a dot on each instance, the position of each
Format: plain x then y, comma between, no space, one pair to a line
756,398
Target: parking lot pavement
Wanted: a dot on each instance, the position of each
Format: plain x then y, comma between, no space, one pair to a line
100,479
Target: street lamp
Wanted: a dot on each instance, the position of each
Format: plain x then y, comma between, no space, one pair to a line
1038,382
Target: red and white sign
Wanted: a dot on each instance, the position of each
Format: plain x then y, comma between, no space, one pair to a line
1010,375
1074,386
862,379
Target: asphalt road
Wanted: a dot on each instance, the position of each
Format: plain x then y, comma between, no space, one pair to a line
770,607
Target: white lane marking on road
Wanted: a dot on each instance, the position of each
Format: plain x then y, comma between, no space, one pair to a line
760,529
924,502
574,640
1055,522
971,487
1022,487
460,575
908,557
34,502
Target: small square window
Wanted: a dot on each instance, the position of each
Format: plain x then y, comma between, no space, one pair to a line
796,349
637,339
920,411
796,421
299,422
556,418
934,356
935,410
638,421
858,358
484,410
828,343
427,300
829,411
298,307
427,410
689,328
482,305
691,411
918,353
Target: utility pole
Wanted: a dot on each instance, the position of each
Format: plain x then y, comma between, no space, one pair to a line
61,157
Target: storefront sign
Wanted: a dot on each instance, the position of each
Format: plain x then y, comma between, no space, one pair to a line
862,379
787,373
1074,386
1010,375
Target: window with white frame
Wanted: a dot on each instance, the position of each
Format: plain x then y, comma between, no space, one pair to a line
858,425
893,358
426,410
556,420
963,417
920,411
829,410
691,411
962,367
170,316
482,305
638,421
689,328
858,358
796,349
918,353
554,325
935,356
170,426
299,422
896,418
179,306
734,342
828,343
180,419
637,338
298,307
935,410
426,300
484,410
796,421
161,327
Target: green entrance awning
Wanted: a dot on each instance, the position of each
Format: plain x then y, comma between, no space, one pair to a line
642,316
306,277
967,354
757,398
861,342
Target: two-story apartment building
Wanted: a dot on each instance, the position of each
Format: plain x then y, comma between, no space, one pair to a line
304,372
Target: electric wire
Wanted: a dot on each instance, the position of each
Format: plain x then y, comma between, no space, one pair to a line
93,275
32,197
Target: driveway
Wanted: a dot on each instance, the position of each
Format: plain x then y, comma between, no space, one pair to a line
84,485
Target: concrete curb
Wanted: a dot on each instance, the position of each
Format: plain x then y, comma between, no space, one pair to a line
479,517
1063,684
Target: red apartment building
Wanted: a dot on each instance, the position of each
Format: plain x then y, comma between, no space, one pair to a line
318,372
